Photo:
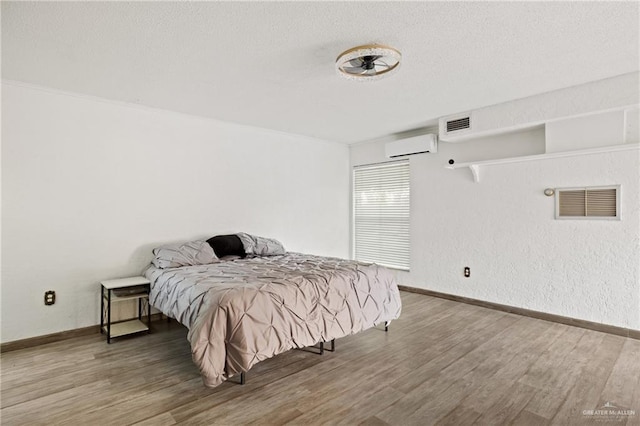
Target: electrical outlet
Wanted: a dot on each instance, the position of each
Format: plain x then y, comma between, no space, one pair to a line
467,271
49,297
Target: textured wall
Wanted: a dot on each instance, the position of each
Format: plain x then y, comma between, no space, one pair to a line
504,229
90,186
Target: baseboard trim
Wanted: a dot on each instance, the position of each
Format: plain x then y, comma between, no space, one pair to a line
611,329
48,338
56,337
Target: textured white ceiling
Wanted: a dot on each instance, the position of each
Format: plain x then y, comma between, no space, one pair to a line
272,64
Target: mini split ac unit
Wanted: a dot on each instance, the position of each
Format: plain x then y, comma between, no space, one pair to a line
415,145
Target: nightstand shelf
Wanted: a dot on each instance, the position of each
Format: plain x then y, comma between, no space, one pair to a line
126,327
112,291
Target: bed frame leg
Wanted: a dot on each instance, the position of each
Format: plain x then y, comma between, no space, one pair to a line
333,346
242,378
386,326
320,347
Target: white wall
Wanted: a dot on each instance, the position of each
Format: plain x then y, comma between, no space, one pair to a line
89,187
614,93
504,229
590,131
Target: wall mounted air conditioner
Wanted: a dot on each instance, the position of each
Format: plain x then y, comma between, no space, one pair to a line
415,145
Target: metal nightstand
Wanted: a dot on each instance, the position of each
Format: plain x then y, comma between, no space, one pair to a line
133,288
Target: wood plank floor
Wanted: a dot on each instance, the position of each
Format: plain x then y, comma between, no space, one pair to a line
443,362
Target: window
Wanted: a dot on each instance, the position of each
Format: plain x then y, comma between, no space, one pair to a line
381,202
588,203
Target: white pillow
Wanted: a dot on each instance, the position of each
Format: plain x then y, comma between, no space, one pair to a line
183,254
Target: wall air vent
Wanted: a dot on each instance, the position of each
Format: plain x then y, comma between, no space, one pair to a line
456,128
588,203
458,124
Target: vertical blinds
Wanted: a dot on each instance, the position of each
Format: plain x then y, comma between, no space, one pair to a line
588,202
381,203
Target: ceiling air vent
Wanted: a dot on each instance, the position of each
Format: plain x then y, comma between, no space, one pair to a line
457,128
458,124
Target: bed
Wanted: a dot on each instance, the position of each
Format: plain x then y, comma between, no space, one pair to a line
241,309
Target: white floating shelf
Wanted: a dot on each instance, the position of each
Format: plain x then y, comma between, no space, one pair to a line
475,166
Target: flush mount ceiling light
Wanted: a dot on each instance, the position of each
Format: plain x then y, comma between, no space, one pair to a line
368,62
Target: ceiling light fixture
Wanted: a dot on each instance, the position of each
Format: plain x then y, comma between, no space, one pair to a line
368,62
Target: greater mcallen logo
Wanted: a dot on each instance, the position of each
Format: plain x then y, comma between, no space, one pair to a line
609,412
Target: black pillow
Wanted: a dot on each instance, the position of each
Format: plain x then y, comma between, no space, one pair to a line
227,245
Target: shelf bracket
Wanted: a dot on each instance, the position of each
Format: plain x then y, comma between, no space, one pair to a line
475,170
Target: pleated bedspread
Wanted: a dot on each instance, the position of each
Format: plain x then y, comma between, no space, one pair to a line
240,312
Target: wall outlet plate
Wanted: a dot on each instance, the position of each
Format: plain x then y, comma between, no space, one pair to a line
467,271
49,297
